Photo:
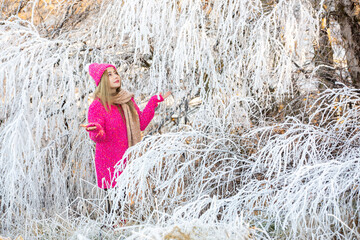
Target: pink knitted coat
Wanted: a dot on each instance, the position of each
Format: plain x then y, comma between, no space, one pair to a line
110,136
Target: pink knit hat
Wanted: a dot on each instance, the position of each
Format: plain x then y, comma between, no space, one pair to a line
96,70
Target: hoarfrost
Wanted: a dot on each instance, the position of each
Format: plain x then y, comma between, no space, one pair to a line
218,169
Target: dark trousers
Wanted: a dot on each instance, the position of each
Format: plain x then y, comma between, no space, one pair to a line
109,202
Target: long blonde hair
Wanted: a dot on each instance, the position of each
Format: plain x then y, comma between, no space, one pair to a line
102,91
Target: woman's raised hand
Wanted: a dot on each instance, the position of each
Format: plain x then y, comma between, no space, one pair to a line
165,95
89,127
92,127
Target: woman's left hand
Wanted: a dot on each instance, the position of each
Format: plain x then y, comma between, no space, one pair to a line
165,95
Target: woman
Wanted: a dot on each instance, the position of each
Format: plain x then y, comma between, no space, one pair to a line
115,121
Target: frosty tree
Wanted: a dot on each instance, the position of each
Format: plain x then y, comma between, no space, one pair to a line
260,138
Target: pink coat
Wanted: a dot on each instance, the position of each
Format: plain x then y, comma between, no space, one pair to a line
111,136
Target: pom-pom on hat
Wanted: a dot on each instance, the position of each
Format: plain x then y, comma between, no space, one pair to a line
96,70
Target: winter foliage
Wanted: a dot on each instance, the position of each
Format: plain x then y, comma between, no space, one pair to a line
247,146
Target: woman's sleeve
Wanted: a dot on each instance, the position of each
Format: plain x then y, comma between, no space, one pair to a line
96,118
147,114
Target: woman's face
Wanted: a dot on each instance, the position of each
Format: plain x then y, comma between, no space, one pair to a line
114,78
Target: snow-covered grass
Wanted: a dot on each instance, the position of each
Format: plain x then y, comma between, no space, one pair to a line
302,181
